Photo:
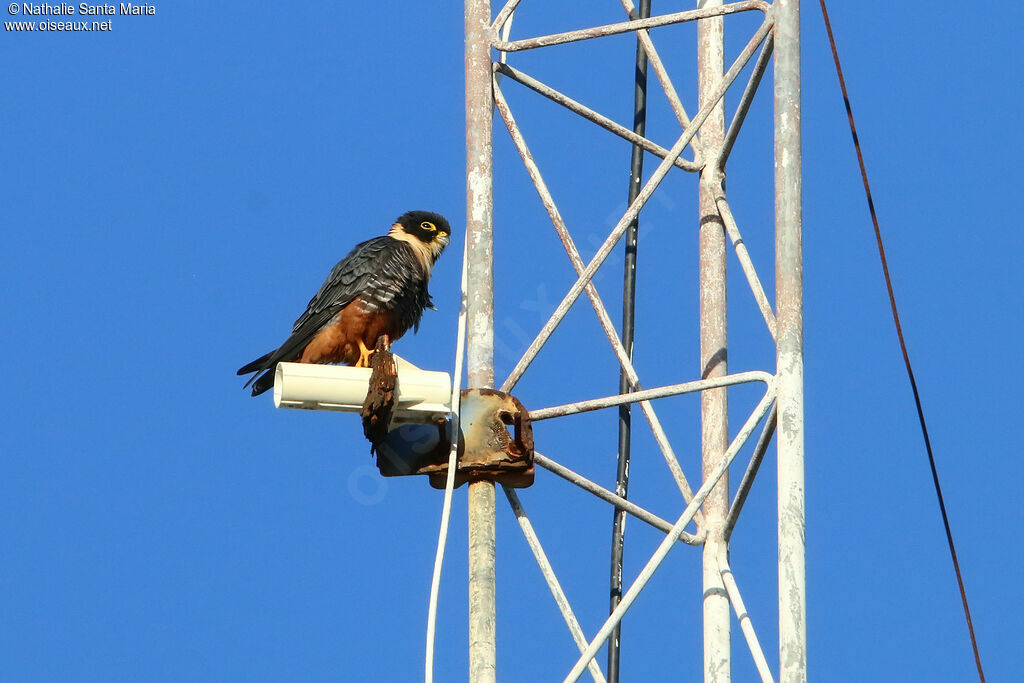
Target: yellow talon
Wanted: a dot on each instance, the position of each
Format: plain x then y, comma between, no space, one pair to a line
364,355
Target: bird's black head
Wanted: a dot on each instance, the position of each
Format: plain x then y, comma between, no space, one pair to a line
428,227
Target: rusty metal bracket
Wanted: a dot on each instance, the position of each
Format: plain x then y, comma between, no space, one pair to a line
487,451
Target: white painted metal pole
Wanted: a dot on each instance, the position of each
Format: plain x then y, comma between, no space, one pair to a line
789,332
713,352
480,327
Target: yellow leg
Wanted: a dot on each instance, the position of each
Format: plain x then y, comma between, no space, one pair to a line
364,356
365,353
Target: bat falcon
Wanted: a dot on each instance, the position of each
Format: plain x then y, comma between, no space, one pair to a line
379,289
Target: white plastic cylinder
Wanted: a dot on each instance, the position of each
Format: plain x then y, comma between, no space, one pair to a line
420,395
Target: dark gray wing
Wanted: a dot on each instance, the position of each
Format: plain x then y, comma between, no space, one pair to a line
382,271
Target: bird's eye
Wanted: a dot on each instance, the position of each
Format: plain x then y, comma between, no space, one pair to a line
427,225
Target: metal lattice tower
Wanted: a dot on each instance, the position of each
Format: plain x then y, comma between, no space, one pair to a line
712,505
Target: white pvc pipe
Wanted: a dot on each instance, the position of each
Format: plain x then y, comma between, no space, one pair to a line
420,395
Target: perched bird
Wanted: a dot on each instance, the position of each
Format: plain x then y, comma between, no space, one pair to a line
379,289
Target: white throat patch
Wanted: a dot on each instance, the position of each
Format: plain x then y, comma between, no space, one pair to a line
425,253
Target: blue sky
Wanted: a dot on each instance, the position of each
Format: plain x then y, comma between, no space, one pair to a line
176,188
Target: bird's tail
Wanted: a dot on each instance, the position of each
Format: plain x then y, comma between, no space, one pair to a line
264,381
264,377
255,366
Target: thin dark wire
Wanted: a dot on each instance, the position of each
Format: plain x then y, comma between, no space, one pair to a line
903,345
636,169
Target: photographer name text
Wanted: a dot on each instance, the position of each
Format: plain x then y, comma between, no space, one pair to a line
83,9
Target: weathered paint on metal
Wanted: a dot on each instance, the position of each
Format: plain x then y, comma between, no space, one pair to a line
652,184
789,334
650,394
752,467
552,580
504,14
651,53
713,348
618,501
760,661
746,265
627,26
479,196
670,540
716,207
602,314
480,327
591,115
746,99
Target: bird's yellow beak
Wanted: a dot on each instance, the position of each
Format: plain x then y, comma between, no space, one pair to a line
443,238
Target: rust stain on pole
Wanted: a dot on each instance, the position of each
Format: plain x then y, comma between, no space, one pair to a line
713,349
480,327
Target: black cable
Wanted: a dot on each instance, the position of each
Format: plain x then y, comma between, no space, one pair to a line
636,169
903,345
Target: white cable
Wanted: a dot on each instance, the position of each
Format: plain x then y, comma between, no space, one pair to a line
449,487
506,30
453,454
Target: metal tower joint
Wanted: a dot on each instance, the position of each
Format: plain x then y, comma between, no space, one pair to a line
712,179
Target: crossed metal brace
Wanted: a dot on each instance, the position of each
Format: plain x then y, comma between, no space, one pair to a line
764,411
